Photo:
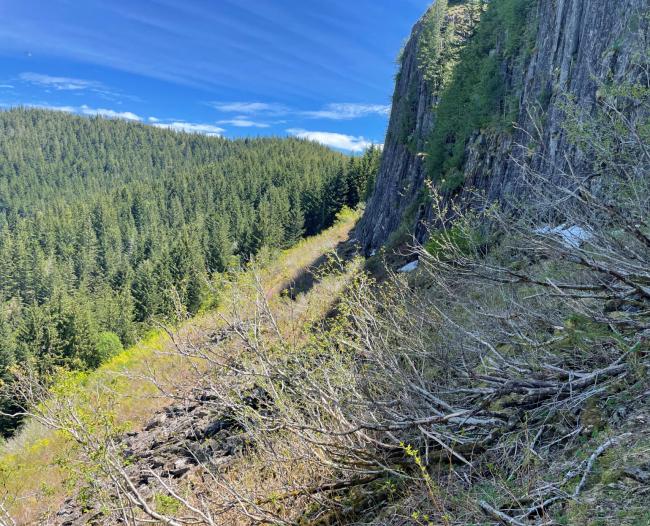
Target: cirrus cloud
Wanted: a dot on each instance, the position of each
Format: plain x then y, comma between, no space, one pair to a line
348,110
57,83
332,111
75,85
250,108
242,122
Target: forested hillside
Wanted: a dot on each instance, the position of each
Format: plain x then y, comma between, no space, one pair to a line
475,350
106,225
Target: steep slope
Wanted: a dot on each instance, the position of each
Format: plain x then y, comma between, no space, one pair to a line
504,381
106,225
402,171
43,469
525,59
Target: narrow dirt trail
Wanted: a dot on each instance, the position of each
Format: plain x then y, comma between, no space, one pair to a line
195,432
33,486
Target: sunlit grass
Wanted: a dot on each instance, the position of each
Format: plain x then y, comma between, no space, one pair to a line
32,483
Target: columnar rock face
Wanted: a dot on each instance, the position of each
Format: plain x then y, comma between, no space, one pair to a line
578,43
401,174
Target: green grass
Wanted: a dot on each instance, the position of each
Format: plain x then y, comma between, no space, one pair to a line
35,473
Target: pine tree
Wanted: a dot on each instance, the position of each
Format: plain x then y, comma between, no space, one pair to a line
38,338
146,292
8,358
104,224
7,344
194,291
295,225
268,230
77,333
219,246
354,176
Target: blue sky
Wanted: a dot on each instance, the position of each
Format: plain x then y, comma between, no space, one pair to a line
319,69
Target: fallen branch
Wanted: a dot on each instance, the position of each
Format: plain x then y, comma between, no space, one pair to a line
320,489
499,515
540,508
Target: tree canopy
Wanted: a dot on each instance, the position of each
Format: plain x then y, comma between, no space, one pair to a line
106,225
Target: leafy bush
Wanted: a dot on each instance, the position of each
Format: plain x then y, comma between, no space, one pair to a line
108,345
453,241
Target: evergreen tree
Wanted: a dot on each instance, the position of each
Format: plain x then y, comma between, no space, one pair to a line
219,249
146,292
339,189
295,225
7,345
268,231
8,358
106,225
38,338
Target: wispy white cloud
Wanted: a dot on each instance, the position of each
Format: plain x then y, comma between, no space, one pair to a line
56,83
60,83
243,122
87,110
335,140
348,110
6,86
190,127
110,114
333,111
250,108
179,126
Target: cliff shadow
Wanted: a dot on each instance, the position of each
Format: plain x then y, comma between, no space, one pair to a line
323,265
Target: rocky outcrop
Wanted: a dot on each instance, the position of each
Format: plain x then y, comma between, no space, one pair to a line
184,437
401,174
577,44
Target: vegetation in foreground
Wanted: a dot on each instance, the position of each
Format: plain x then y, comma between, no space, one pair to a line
505,381
37,467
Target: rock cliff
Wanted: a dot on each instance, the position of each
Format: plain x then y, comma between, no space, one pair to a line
569,47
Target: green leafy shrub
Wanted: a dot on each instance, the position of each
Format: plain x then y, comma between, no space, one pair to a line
457,240
108,345
166,504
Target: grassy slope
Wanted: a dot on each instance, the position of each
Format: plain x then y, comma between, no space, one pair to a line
32,483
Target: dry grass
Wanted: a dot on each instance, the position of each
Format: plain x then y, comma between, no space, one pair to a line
32,481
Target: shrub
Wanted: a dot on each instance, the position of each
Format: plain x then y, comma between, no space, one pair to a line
108,345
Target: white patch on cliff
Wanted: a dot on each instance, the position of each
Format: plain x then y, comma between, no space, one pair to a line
410,267
570,236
